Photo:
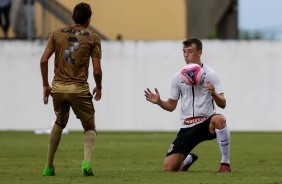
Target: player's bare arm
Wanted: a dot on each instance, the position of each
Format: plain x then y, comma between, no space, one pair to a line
44,73
154,98
218,97
97,72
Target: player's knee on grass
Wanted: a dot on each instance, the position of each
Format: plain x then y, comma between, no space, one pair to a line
170,167
173,162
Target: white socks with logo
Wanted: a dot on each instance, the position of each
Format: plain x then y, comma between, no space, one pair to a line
223,139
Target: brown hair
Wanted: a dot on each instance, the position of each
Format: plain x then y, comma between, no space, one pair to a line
81,13
195,41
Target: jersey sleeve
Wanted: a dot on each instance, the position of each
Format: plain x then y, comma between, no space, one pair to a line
214,79
174,87
50,43
97,51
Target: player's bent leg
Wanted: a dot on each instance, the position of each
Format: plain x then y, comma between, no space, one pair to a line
218,125
173,162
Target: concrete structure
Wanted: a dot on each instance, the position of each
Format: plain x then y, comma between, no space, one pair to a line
135,19
130,19
249,71
212,19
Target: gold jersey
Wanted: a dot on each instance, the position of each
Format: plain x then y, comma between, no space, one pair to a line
73,47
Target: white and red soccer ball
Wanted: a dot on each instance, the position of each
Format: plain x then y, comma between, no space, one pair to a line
193,74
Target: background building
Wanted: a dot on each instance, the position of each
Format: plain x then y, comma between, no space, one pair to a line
212,19
130,19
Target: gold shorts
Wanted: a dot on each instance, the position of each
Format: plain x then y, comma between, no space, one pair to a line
81,104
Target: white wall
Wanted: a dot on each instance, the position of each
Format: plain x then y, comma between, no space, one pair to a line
249,72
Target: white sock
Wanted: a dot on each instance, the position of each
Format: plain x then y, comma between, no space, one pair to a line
223,139
187,160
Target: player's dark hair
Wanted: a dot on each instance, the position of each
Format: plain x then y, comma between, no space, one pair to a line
81,13
195,41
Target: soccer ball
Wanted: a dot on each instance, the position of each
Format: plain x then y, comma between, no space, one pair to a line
193,74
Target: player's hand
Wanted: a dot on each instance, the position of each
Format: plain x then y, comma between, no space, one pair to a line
46,93
97,93
152,97
210,88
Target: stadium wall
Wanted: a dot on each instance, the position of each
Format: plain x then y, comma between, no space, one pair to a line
249,71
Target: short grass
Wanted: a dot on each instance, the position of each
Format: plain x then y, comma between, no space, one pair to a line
137,157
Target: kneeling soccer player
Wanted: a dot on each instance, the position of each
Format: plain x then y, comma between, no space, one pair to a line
199,120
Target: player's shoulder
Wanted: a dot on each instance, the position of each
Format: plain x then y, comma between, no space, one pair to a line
94,35
210,73
59,31
176,74
62,30
208,69
176,77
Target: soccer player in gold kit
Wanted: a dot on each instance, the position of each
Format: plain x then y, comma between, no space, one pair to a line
73,47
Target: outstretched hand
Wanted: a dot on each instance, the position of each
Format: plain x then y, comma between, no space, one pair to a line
152,97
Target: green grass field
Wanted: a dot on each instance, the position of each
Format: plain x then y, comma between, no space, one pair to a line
137,157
